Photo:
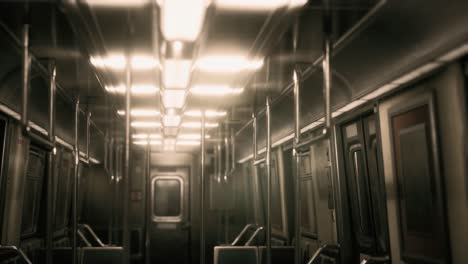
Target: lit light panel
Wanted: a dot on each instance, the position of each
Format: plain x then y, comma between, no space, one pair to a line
116,3
198,125
176,73
137,89
258,5
145,124
215,90
191,136
173,98
208,113
227,64
181,19
118,61
145,142
146,136
141,112
171,120
188,142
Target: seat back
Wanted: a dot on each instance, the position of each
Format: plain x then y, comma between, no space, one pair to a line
101,255
279,255
235,255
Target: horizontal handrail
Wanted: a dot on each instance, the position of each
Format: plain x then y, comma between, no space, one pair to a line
91,231
372,259
254,235
17,251
241,234
259,161
309,141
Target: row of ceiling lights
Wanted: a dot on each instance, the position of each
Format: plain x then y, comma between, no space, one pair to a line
181,24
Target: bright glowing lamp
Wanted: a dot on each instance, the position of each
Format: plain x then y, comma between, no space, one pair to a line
182,19
173,98
215,90
227,64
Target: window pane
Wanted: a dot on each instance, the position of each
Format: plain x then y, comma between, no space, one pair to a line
167,200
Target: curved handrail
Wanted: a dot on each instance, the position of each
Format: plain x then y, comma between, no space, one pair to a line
17,251
254,235
83,238
91,231
317,253
241,234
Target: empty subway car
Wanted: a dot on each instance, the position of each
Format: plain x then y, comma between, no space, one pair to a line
233,131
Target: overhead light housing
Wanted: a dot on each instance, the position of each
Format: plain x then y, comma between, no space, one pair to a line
181,19
117,3
145,124
208,113
146,136
258,5
141,112
145,142
198,125
137,89
176,73
174,98
144,62
214,90
190,136
188,142
113,61
171,120
228,64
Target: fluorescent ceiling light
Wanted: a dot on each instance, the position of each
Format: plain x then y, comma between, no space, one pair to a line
171,120
182,19
144,142
137,89
228,64
214,90
253,5
208,113
173,98
140,112
145,124
145,136
144,62
198,124
176,73
112,61
116,3
188,142
118,61
191,136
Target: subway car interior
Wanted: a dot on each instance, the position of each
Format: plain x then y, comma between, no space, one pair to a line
233,131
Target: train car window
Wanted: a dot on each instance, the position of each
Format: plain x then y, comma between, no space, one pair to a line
32,192
167,199
421,217
308,203
64,185
358,185
249,198
276,208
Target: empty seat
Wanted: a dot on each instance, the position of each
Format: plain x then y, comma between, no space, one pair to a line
235,255
279,255
101,255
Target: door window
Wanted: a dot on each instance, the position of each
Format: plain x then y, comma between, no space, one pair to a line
167,192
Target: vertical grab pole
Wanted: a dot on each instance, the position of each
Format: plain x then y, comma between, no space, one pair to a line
254,135
75,184
51,163
268,168
226,180
126,180
26,72
327,49
296,157
202,191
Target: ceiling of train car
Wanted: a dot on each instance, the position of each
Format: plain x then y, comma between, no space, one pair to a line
222,56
